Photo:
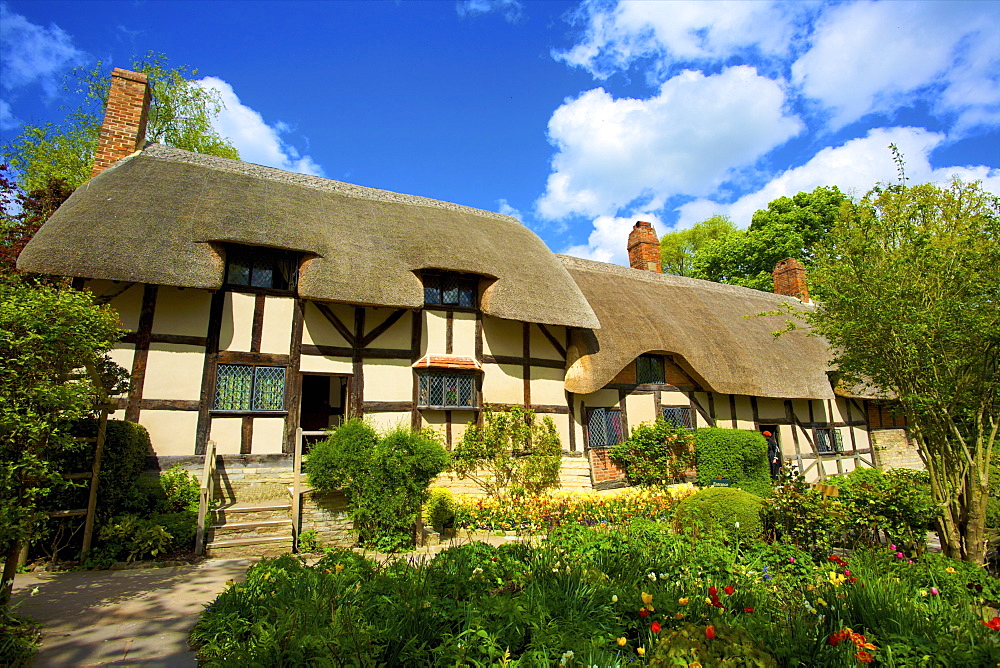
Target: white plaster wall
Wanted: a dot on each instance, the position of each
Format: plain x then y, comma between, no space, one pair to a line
397,336
237,322
547,386
173,371
640,408
122,355
172,432
463,334
388,380
182,312
540,344
459,423
502,337
434,335
384,422
128,304
601,399
770,409
502,384
227,432
276,336
322,364
317,330
562,428
801,409
268,435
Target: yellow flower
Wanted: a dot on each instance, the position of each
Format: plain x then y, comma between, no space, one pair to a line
621,642
680,615
950,570
923,592
821,601
614,598
694,664
810,587
647,598
641,651
683,601
339,567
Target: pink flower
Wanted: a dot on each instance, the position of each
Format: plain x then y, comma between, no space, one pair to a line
892,547
934,591
899,555
791,560
847,573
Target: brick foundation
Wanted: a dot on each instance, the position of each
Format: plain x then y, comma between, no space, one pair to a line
602,469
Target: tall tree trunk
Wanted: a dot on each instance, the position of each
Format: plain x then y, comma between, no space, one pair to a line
9,570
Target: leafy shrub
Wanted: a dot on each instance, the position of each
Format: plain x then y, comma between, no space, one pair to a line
384,478
181,525
735,455
308,541
727,646
440,508
134,537
181,490
728,510
655,454
511,454
799,515
19,638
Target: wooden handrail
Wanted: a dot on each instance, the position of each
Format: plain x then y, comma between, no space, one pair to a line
205,492
296,489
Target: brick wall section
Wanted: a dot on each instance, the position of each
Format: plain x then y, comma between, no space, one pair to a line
644,248
602,469
124,128
894,450
326,514
790,279
882,415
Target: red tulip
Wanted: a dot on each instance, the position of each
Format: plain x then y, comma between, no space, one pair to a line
712,591
643,612
710,632
655,628
993,623
729,590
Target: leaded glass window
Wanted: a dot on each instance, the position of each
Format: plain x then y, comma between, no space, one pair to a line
649,369
679,416
447,390
245,387
604,427
450,290
829,441
261,268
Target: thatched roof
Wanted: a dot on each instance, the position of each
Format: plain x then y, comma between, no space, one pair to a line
161,215
702,324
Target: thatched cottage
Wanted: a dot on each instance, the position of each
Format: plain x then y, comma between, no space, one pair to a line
260,302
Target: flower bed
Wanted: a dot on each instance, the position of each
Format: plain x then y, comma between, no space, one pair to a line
536,514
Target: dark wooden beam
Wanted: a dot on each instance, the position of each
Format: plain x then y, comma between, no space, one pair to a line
241,357
257,329
207,397
293,379
388,406
381,328
112,293
358,364
336,322
138,377
557,409
701,409
526,361
246,435
732,409
416,335
555,342
449,333
572,421
520,361
169,404
623,413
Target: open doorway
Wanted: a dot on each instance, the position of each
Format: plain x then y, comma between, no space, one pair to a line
322,407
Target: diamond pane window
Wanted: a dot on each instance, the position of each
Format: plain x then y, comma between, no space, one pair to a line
446,390
829,441
649,369
450,290
261,267
244,387
604,427
679,416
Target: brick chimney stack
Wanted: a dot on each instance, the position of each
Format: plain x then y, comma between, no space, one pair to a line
124,129
790,279
644,248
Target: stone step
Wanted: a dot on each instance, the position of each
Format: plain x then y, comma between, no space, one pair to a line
272,546
250,531
252,513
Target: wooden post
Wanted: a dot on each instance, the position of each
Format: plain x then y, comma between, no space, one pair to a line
205,496
88,527
297,489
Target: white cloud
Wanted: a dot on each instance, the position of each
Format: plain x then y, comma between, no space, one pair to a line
31,53
7,119
879,56
686,139
688,31
512,10
609,240
504,207
854,167
256,141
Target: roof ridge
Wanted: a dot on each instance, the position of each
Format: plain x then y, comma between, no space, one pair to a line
163,152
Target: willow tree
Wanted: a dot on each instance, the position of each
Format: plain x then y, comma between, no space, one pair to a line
910,278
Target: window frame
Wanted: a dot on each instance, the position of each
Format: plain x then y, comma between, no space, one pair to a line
434,280
688,411
590,431
265,255
253,409
834,436
650,359
431,374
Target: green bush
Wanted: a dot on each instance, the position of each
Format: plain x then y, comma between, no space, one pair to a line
134,538
735,455
688,644
182,526
799,515
656,453
384,478
308,541
181,490
440,508
730,511
19,638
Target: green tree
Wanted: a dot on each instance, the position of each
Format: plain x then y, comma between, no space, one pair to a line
47,336
678,249
789,227
511,454
910,278
180,115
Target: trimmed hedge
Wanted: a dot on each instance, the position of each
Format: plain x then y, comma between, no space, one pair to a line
733,454
728,510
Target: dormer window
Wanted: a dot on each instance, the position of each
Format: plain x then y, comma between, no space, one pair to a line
649,369
450,290
256,267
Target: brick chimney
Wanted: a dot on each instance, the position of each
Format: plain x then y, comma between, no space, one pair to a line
790,279
124,129
644,248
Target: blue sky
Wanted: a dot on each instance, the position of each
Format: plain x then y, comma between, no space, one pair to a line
578,118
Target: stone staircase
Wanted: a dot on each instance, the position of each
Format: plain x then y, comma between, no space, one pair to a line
250,529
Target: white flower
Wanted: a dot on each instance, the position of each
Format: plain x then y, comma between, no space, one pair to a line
737,525
614,598
652,576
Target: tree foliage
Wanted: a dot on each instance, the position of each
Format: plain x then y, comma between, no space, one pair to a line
180,115
678,249
789,227
511,454
656,453
910,278
47,335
